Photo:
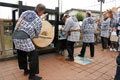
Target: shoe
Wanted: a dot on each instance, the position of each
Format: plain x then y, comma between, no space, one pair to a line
35,78
118,49
26,72
80,55
111,49
114,50
69,59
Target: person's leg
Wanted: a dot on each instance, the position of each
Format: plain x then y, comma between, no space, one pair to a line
105,43
92,49
70,49
34,65
33,62
82,53
111,46
102,42
117,76
108,40
22,61
95,38
115,45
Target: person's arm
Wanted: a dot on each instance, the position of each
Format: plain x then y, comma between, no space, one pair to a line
99,26
83,26
67,26
106,23
38,27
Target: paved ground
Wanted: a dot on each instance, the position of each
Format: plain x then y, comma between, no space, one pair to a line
54,67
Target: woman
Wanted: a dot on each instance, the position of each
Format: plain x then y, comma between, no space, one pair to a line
113,37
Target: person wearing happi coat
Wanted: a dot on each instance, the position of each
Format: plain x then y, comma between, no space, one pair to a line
28,27
88,34
72,29
105,31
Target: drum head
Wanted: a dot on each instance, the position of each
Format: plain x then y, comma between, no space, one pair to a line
46,30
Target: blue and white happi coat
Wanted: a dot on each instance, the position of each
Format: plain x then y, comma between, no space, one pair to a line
70,25
31,25
88,30
105,26
117,18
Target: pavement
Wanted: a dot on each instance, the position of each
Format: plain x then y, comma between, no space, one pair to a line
54,67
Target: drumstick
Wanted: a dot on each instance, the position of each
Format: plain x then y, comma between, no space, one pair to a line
42,17
118,7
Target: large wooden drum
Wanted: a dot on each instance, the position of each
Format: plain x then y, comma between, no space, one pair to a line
46,35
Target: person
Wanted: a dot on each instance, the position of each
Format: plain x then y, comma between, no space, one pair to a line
113,36
72,28
88,34
28,27
96,30
105,26
117,17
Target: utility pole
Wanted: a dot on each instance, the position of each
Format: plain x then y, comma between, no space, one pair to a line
58,3
101,2
61,6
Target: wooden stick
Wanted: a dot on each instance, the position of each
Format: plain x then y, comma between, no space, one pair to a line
42,17
2,38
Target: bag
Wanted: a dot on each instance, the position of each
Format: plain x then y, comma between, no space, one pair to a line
114,37
20,35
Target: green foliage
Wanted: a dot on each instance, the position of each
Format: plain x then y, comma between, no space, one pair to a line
80,16
6,25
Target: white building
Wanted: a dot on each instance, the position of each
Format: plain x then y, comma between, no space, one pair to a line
75,11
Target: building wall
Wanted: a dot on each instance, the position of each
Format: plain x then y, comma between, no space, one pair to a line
74,12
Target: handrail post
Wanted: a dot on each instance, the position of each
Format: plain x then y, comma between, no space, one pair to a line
2,37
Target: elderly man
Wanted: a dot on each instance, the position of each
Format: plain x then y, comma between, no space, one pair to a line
72,28
88,34
105,26
28,27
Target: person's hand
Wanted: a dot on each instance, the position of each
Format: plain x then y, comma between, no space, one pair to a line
69,33
98,29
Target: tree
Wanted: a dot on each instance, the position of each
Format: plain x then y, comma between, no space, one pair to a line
80,16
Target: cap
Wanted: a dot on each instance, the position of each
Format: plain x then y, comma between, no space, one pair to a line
88,12
65,15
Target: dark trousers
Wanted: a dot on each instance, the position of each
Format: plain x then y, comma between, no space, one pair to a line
104,42
70,49
117,76
96,38
84,49
32,58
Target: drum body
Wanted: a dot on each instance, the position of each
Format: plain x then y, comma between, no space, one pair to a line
46,35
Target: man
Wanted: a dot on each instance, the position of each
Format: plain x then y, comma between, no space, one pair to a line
105,33
96,30
28,27
72,28
88,34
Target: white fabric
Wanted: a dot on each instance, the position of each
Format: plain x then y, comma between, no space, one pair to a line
72,24
31,24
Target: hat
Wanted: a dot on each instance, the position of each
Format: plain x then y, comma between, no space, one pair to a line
88,12
65,15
